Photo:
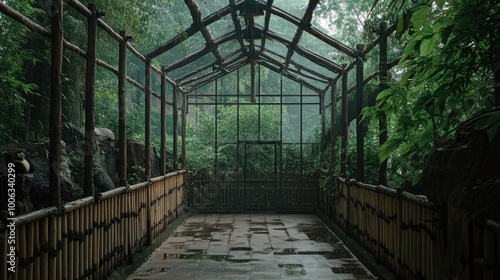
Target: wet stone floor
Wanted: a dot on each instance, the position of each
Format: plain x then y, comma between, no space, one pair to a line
252,246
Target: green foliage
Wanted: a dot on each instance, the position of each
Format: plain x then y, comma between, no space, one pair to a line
13,86
446,76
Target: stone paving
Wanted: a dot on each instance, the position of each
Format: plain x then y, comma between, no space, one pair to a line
252,246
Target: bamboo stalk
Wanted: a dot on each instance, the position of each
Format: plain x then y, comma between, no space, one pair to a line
98,241
44,240
64,246
77,204
30,248
71,246
88,238
112,193
52,245
81,245
21,247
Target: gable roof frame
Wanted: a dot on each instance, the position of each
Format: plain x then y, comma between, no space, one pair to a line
223,65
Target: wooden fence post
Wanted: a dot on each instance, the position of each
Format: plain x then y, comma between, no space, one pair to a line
122,111
56,54
175,119
345,125
163,125
184,123
147,156
360,130
382,118
88,189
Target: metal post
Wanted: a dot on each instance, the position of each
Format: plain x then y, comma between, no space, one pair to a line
258,108
382,118
147,119
175,117
301,141
163,124
333,135
252,82
281,142
360,130
184,124
216,126
147,155
56,54
88,189
345,125
122,111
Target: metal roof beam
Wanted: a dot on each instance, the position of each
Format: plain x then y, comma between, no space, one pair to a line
290,76
315,32
306,21
315,58
193,29
198,54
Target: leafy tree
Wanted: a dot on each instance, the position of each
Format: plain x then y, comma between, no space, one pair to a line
14,88
449,70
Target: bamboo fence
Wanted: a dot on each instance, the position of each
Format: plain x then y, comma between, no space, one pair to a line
404,232
90,237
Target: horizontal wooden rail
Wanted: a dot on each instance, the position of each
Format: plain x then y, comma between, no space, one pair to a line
90,237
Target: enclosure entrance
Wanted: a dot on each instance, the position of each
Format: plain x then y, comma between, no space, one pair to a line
261,169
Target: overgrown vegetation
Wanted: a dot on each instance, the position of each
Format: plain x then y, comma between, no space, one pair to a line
448,71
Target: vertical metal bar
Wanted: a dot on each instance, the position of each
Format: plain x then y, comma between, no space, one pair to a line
382,117
333,134
281,141
245,176
184,124
345,125
301,143
175,119
237,191
216,128
163,124
360,130
147,155
258,107
147,119
56,53
88,189
122,112
252,82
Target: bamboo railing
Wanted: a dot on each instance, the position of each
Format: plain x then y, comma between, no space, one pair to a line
406,233
90,237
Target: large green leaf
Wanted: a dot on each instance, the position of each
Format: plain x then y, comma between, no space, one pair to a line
388,147
419,17
426,46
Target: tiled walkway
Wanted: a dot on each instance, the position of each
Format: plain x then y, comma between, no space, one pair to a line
252,246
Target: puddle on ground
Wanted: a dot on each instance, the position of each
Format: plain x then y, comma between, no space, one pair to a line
158,269
240,249
257,229
293,269
266,223
286,251
320,234
238,260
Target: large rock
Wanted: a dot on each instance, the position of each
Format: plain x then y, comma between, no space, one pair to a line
136,161
464,176
105,168
40,190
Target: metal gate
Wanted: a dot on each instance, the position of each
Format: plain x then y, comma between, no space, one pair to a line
260,178
257,182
